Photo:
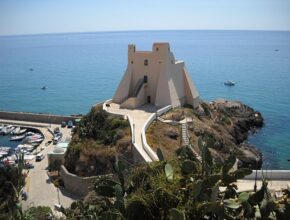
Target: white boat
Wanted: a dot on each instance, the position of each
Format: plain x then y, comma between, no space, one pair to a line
29,133
16,130
26,147
3,153
9,129
3,131
33,137
8,162
229,83
22,131
17,138
35,141
35,144
7,149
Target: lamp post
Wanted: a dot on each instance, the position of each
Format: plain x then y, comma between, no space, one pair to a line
58,196
156,114
255,185
133,133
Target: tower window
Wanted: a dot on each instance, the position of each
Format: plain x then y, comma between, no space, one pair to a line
145,79
157,48
146,62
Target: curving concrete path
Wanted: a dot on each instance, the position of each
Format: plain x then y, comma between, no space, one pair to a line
139,117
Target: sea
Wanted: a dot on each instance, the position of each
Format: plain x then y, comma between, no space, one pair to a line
82,69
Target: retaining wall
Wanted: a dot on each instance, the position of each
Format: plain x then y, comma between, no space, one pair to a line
35,117
76,184
137,157
269,174
145,145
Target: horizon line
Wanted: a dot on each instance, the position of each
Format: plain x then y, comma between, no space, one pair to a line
140,30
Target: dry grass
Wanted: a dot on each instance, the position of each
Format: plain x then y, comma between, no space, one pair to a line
157,137
178,114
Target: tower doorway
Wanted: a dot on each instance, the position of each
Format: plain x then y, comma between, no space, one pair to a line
148,99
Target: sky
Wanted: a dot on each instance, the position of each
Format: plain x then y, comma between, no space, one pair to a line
21,17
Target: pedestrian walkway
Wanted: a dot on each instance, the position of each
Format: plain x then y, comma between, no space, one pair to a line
139,117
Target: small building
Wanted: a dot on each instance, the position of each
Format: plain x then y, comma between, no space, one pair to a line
56,156
155,77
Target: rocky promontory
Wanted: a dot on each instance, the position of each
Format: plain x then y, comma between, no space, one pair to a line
223,125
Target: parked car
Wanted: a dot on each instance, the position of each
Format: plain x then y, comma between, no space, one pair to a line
70,124
57,138
39,157
28,166
56,130
24,195
63,124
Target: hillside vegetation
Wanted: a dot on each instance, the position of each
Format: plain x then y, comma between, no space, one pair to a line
97,139
180,188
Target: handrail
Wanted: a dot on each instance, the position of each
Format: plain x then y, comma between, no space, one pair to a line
138,87
145,145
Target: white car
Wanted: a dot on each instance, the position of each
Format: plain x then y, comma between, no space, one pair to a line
39,157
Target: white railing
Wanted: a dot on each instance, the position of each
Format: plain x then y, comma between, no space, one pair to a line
145,145
132,125
269,175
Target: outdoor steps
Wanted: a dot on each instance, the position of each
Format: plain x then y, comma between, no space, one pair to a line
138,87
185,139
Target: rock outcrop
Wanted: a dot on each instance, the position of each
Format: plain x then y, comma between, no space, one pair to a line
244,121
223,125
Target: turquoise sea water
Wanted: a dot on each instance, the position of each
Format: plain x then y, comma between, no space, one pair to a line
82,69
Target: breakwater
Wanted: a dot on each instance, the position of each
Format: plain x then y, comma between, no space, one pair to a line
35,117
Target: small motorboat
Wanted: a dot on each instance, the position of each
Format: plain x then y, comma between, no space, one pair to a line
3,153
17,138
16,130
22,131
35,144
3,131
26,147
39,140
9,129
229,83
30,133
43,87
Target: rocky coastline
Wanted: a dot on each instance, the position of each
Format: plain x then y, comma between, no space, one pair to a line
224,125
246,121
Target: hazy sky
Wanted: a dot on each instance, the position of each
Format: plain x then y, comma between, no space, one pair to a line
54,16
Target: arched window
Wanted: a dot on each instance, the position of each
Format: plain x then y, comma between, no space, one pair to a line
146,62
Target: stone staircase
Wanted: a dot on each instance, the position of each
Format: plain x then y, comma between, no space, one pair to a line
184,134
185,139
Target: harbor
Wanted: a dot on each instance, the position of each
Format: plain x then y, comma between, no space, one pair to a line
35,141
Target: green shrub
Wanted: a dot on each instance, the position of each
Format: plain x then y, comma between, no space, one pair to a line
38,213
